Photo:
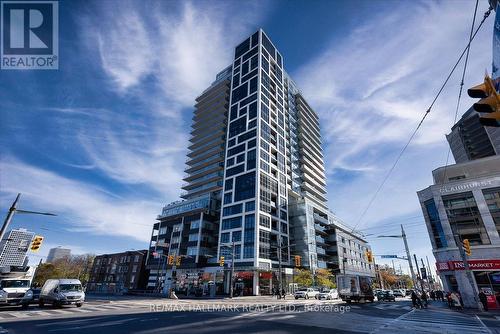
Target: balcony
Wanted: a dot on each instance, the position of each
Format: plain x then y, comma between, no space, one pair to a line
320,219
320,240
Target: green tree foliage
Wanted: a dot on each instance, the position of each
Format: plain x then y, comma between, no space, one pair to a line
78,267
303,277
325,278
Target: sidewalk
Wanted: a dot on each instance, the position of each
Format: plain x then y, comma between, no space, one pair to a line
492,313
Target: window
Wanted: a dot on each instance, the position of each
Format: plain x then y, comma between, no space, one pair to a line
435,222
224,237
193,251
252,111
253,85
240,92
248,251
230,223
264,221
229,184
232,210
234,171
236,236
244,68
236,150
492,197
195,224
268,45
231,142
250,206
249,221
193,237
240,158
228,198
237,127
251,143
230,162
236,82
465,219
251,160
242,48
134,268
244,187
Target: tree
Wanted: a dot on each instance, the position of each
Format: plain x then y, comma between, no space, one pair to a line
78,267
303,277
388,278
325,278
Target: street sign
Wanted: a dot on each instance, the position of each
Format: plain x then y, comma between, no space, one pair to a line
389,256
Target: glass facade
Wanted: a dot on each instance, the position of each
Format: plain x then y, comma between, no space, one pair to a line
492,198
435,222
465,219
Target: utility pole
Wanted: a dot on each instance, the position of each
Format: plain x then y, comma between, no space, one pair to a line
419,278
408,255
430,273
468,272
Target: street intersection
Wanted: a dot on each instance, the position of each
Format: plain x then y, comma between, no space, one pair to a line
242,315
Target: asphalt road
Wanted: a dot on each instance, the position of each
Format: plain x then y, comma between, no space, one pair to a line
208,317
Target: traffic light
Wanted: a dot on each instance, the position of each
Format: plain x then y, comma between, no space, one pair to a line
369,256
466,246
489,103
298,260
170,260
178,261
221,261
36,243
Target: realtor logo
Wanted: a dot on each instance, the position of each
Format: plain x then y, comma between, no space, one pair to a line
29,37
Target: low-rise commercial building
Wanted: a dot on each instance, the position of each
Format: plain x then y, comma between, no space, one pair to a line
464,203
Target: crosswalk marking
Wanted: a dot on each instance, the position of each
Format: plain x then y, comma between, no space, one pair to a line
435,321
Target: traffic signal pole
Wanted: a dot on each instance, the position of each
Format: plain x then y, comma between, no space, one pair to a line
468,272
11,212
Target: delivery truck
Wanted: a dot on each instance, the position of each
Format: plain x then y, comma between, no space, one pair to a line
355,288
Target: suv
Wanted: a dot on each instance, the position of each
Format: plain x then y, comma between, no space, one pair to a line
386,295
306,293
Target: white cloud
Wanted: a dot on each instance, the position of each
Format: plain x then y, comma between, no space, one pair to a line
371,88
79,203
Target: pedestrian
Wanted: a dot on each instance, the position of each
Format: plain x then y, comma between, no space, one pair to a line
448,298
433,295
415,300
456,302
424,298
484,300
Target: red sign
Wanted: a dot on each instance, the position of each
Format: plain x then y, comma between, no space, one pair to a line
473,265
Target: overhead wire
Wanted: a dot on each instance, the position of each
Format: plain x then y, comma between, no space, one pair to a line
389,173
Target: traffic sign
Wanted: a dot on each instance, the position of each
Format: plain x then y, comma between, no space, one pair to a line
389,256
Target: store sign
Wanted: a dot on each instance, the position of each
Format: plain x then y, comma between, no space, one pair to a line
465,186
473,265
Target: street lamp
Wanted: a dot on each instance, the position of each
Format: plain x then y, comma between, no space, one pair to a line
13,209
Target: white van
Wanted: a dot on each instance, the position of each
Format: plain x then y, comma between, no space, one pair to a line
60,292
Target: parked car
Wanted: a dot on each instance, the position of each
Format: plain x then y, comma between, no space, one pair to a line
398,293
328,294
60,292
306,293
386,295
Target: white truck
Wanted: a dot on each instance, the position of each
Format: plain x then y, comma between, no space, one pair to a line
15,291
355,288
59,292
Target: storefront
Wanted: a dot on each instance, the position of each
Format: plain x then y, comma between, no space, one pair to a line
486,275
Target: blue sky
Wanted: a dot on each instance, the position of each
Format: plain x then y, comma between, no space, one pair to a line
102,140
